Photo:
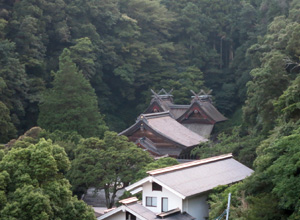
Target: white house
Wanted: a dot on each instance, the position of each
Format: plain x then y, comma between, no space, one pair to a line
132,210
180,191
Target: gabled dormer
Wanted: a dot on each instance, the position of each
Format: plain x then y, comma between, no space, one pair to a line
201,110
196,114
201,116
160,101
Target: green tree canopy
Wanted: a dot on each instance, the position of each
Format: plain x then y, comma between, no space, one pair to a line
288,104
32,185
276,179
83,54
160,163
108,164
189,79
71,105
270,79
13,80
7,129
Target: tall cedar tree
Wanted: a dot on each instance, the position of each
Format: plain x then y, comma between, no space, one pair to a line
7,129
71,105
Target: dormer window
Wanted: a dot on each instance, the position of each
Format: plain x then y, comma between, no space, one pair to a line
156,187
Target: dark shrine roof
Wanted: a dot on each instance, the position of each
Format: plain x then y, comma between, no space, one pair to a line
148,145
165,126
164,102
208,109
211,111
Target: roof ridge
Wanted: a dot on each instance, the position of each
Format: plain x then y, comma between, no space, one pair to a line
189,164
128,200
167,213
178,105
156,114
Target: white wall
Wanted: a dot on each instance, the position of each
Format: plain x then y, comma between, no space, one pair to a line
197,206
118,216
173,200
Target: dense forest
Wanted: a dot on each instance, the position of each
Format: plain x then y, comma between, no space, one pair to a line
78,69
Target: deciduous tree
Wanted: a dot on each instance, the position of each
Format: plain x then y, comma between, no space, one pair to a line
108,164
33,185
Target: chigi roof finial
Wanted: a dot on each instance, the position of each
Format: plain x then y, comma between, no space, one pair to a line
163,95
202,95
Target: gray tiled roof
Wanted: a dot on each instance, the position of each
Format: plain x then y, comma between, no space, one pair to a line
180,216
211,111
149,215
203,130
175,131
142,211
197,179
178,110
166,126
148,144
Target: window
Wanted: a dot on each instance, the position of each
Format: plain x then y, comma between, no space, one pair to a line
151,201
164,204
156,187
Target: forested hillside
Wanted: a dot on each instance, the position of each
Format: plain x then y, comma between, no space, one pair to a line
126,47
61,59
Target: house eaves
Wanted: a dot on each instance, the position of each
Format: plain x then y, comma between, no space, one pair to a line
122,208
135,188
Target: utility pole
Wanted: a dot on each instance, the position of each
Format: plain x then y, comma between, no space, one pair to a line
228,206
226,211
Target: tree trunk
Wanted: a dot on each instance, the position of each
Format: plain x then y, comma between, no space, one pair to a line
230,53
113,196
110,199
107,197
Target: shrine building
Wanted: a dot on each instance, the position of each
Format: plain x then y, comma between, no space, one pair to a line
174,130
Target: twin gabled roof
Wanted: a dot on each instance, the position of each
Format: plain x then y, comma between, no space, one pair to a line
196,177
162,101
